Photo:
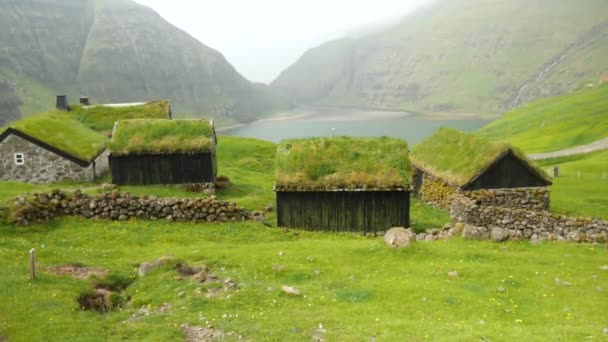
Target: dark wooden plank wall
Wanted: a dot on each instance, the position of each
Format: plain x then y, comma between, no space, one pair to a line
367,211
151,169
508,172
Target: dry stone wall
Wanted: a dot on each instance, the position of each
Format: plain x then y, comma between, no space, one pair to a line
113,205
519,198
519,224
436,191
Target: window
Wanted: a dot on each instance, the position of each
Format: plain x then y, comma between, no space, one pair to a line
19,159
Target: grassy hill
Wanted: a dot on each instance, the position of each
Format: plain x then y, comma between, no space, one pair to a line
460,56
557,123
117,51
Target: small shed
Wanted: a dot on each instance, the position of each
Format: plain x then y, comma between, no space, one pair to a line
146,152
343,184
51,147
451,161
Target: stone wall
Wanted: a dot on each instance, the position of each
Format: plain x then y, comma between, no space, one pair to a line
43,166
518,224
436,191
519,198
113,205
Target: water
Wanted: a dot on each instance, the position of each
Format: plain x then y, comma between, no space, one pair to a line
412,128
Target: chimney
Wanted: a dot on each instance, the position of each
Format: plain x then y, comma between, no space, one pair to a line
62,103
84,100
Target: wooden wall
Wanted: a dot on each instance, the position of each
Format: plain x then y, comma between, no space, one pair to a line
508,172
367,211
151,169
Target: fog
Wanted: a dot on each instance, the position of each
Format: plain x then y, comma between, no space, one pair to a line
261,38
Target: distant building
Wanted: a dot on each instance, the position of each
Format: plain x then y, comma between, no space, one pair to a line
146,152
452,162
343,184
51,148
69,143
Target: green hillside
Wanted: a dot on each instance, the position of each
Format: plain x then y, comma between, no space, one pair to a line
460,56
117,51
556,123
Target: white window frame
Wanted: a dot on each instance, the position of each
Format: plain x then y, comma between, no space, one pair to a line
19,158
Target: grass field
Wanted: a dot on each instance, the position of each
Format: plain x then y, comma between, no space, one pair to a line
353,286
556,123
581,188
362,290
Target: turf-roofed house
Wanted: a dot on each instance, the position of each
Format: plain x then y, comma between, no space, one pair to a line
156,151
101,117
51,147
343,184
451,162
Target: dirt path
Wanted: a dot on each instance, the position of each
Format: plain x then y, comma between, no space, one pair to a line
595,146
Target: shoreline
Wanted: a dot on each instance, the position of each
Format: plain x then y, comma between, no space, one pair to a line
354,114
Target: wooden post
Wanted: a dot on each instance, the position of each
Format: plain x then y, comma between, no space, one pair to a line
33,263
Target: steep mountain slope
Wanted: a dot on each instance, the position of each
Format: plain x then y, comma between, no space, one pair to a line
461,56
117,51
555,123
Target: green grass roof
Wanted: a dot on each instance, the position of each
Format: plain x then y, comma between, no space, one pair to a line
458,157
60,130
342,163
161,136
102,117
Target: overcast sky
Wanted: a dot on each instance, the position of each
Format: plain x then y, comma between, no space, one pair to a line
263,37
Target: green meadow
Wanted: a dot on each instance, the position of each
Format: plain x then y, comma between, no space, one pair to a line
352,287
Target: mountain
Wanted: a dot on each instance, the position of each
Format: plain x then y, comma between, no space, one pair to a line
116,51
556,123
459,56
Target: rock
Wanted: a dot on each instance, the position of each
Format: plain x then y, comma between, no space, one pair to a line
317,273
604,268
399,237
431,237
498,234
458,227
281,253
605,331
292,291
146,267
420,237
561,282
310,259
501,289
269,208
279,268
453,274
380,233
475,233
200,277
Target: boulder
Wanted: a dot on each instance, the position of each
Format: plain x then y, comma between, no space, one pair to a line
292,291
399,237
498,234
475,233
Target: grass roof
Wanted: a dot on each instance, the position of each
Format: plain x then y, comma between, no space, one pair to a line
61,131
458,157
101,118
161,136
342,163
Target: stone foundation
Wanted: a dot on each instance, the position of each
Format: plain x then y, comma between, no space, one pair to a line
527,224
113,205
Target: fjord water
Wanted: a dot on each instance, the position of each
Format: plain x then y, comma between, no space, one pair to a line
413,128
